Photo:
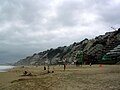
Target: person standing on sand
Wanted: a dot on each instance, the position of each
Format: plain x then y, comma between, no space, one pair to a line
64,63
44,68
64,66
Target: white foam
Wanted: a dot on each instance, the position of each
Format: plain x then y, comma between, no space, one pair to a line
5,68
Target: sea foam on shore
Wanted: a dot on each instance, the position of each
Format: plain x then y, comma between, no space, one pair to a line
4,68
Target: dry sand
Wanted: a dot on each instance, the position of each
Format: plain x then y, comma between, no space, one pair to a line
106,77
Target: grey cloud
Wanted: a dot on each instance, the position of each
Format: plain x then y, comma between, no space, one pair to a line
25,10
65,14
108,10
112,15
71,13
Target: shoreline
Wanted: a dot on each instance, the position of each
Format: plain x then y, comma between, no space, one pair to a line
5,68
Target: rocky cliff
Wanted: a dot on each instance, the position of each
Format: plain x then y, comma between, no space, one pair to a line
94,50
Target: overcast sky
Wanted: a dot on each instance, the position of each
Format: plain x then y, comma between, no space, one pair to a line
29,26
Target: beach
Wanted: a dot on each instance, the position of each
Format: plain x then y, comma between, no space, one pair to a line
95,77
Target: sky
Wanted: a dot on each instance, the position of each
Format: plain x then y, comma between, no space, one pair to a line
32,26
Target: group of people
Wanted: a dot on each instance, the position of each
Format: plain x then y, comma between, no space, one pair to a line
79,58
48,69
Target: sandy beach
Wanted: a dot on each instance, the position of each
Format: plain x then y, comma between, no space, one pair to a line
106,77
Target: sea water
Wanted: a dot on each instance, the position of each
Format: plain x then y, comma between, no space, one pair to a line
4,68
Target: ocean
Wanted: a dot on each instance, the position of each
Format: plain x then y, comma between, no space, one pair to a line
4,68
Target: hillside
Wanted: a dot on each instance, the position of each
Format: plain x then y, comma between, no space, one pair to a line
101,49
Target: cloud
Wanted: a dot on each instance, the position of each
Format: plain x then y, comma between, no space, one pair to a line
28,26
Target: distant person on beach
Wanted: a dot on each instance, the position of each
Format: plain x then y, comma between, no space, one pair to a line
90,63
44,68
91,59
25,73
64,66
48,68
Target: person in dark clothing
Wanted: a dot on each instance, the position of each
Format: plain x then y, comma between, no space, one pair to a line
44,68
25,73
64,66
